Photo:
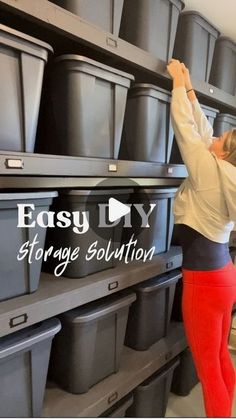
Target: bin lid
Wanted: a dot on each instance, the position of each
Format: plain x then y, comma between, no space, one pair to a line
227,42
140,89
227,118
82,59
156,191
205,23
100,308
26,339
98,192
210,110
154,379
12,196
158,282
23,36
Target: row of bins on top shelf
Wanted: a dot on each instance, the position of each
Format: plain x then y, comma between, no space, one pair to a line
88,348
83,107
188,36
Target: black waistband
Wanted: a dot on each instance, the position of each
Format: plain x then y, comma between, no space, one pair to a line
200,253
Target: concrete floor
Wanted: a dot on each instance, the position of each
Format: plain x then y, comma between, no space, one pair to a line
192,405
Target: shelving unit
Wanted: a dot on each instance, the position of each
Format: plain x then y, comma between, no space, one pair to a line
57,295
64,30
68,33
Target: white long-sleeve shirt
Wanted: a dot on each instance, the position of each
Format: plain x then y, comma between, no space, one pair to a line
206,200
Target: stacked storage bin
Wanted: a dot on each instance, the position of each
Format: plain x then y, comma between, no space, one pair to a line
24,358
147,134
86,114
151,397
224,122
161,221
150,315
223,73
151,25
185,376
107,15
18,277
195,43
86,201
23,59
90,345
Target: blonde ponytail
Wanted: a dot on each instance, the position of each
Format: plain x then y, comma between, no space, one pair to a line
230,146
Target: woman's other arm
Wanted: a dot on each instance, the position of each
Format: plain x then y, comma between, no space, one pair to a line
203,125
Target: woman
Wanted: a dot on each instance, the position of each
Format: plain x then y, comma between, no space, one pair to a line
205,212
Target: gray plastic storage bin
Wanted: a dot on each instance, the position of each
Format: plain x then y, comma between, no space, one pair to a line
223,74
151,25
90,345
119,409
224,122
86,200
105,14
151,397
24,358
88,101
212,115
232,239
195,43
22,67
147,134
185,376
20,277
177,314
149,316
161,220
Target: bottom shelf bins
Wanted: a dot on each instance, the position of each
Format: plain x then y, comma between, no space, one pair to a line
135,368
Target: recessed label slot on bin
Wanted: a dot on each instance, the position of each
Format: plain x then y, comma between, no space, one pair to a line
17,321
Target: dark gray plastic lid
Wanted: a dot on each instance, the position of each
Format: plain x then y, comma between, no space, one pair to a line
24,37
228,42
25,339
155,378
98,309
123,405
26,195
154,284
226,117
211,110
97,192
201,20
145,89
156,191
82,59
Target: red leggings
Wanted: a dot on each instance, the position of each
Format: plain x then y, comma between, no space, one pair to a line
208,297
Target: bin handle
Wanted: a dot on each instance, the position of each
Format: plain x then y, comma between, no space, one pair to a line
163,373
174,277
45,331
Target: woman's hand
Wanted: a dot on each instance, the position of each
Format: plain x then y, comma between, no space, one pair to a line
175,70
